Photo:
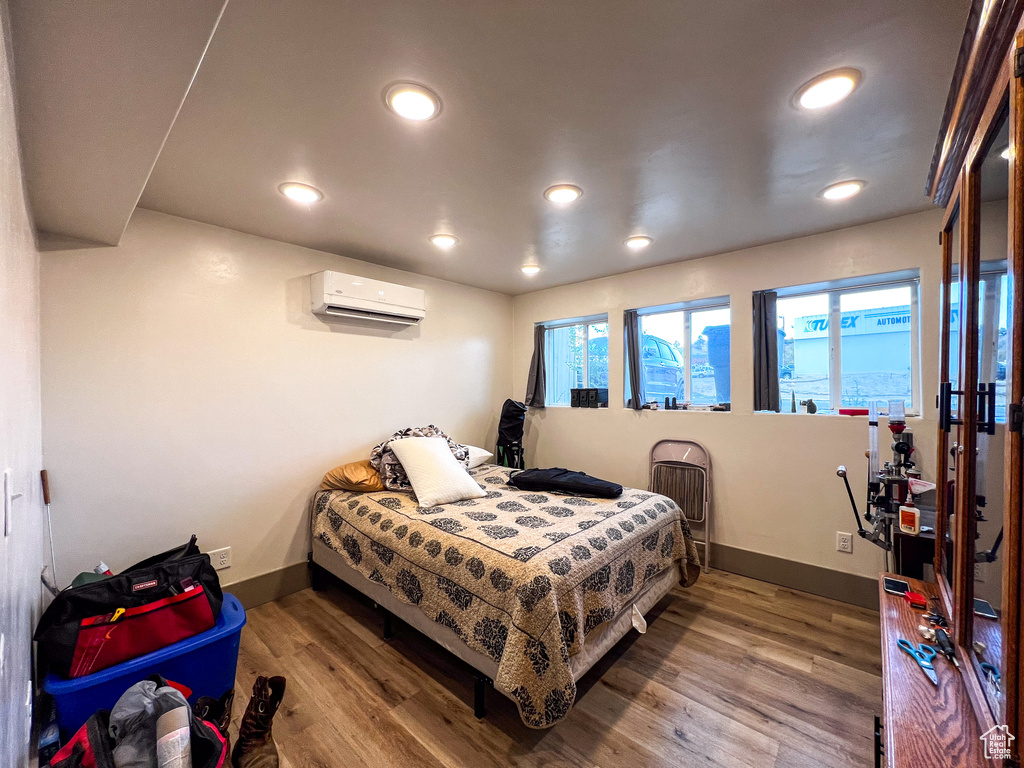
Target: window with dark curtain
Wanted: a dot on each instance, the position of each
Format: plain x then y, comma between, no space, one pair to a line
766,351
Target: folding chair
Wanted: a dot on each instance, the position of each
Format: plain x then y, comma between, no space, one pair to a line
681,470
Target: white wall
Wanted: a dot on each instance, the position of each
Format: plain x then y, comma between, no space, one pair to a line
21,552
775,488
187,388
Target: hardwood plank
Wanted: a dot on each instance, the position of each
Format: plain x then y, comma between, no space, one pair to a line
863,686
811,635
738,686
359,618
732,672
351,657
278,629
449,730
375,737
674,725
751,642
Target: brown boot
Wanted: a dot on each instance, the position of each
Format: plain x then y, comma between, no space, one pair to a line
255,747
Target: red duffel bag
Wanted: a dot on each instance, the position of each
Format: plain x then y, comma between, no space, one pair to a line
160,601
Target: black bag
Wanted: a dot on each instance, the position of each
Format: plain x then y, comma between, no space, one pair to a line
171,555
509,446
558,480
510,425
162,600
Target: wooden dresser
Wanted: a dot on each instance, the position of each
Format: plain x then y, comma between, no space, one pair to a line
923,725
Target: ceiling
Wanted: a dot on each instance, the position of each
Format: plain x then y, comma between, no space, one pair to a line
675,117
98,87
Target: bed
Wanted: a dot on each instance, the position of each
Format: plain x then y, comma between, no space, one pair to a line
530,589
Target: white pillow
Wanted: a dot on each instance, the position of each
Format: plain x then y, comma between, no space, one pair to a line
477,456
436,476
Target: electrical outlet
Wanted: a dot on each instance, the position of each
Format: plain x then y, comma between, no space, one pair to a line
221,558
844,542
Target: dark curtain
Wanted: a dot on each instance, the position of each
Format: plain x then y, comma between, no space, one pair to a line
634,358
766,351
537,380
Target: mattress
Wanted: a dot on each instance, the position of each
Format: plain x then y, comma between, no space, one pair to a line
524,579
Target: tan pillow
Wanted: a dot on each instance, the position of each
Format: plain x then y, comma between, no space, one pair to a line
356,476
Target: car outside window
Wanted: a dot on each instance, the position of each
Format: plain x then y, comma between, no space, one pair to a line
686,354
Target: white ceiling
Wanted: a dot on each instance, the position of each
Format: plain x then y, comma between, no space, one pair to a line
98,86
674,116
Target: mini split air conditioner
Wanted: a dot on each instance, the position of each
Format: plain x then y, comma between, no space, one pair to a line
339,295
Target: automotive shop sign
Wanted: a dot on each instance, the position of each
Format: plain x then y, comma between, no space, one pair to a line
859,323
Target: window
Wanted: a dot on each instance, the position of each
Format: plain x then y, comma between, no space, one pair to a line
849,344
685,353
575,356
993,320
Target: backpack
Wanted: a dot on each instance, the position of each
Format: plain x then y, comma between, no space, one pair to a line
161,600
92,746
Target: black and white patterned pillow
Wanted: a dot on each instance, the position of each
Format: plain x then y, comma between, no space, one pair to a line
383,459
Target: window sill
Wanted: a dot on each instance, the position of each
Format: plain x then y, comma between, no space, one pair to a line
675,410
883,417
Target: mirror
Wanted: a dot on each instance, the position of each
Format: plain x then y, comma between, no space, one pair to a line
994,334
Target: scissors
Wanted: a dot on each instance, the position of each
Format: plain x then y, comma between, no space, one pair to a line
923,655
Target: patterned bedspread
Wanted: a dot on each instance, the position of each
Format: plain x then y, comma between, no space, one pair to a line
521,577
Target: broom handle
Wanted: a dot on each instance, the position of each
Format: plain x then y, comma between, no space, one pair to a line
46,486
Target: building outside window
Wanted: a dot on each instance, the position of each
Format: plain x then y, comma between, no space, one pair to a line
575,356
850,345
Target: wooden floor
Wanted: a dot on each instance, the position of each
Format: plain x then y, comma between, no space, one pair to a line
732,672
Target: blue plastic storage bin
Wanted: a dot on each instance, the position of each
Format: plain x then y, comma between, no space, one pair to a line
205,663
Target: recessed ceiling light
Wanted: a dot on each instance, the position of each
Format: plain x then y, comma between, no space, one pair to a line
842,190
638,242
530,269
301,193
444,242
413,102
828,89
563,193
1005,154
